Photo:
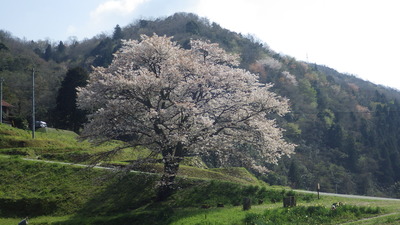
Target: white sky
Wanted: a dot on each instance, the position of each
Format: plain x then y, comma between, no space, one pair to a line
359,37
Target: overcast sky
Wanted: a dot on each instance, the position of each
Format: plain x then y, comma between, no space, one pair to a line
359,37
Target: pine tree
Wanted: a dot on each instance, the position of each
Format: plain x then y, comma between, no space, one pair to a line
48,53
67,114
117,35
61,47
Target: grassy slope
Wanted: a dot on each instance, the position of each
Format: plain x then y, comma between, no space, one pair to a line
61,194
61,145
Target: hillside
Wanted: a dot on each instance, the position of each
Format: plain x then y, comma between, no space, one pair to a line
346,129
55,191
52,192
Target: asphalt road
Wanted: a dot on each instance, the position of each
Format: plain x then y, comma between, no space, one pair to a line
350,196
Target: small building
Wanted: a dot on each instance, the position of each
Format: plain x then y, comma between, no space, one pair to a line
6,107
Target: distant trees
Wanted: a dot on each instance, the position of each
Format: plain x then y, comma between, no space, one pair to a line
192,27
3,46
16,63
179,103
103,52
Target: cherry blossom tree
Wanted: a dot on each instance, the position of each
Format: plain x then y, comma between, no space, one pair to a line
179,102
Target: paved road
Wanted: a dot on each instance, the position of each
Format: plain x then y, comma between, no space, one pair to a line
350,196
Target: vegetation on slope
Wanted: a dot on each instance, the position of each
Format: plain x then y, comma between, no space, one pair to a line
38,188
345,128
62,145
52,193
74,195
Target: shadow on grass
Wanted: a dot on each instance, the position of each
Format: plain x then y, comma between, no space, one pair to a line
104,197
125,199
130,199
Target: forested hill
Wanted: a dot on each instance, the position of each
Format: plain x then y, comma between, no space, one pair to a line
347,130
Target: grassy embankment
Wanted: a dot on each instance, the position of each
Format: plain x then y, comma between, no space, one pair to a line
64,194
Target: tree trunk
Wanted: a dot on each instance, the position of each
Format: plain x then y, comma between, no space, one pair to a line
167,184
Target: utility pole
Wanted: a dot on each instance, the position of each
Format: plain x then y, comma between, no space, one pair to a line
33,103
1,100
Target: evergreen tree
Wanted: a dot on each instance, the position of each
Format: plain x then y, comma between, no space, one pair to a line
61,47
117,35
67,114
48,53
294,174
103,52
334,136
386,173
59,55
351,150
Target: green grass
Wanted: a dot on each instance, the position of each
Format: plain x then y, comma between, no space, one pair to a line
44,137
34,188
389,219
59,145
236,175
51,193
42,220
312,215
82,196
38,189
218,216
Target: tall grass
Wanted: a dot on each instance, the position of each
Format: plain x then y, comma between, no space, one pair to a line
311,215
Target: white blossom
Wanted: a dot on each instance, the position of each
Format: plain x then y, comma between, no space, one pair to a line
179,102
289,77
271,63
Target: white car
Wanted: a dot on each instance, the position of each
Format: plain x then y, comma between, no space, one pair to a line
40,124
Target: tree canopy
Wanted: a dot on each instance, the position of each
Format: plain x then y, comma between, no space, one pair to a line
179,102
